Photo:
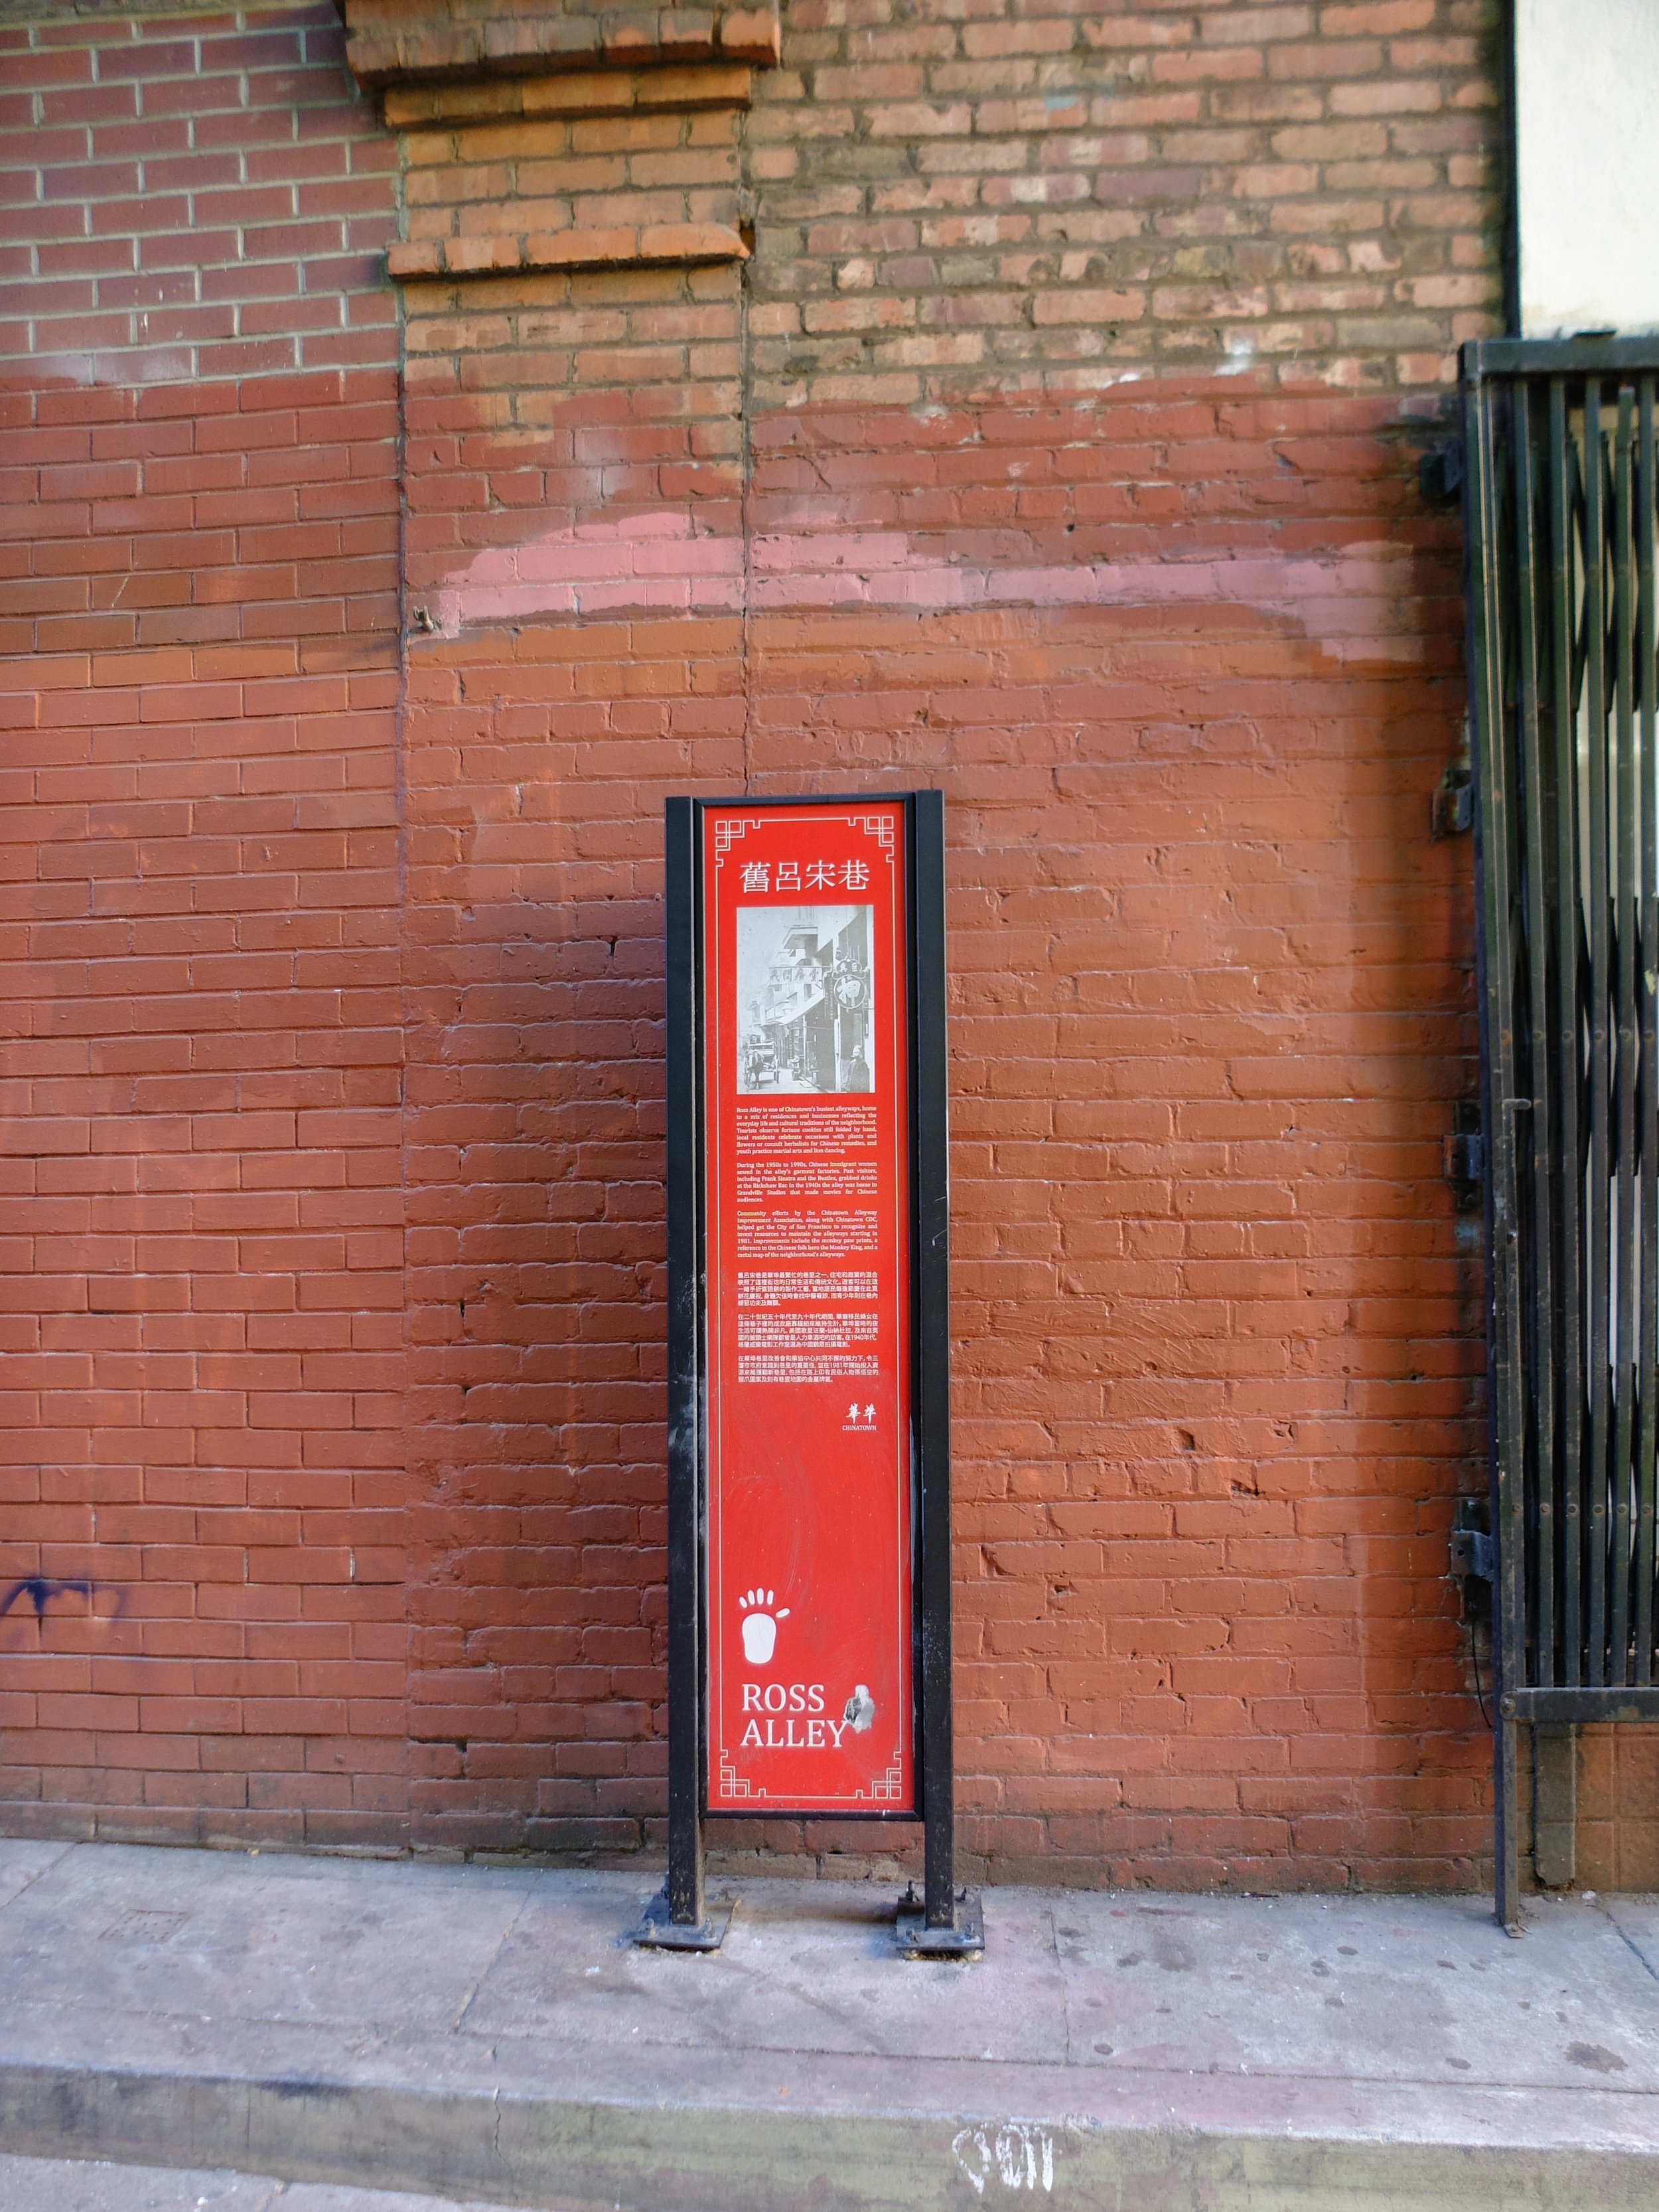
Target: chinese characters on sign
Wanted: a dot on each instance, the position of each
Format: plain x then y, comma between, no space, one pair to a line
809,1560
821,876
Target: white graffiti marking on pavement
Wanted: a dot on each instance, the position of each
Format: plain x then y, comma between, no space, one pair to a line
1016,2153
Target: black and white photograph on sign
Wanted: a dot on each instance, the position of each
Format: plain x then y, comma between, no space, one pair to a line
804,998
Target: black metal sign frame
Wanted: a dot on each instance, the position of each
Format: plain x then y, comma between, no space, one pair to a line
946,1920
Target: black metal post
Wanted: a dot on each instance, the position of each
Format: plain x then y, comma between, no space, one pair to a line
679,1919
950,1922
932,1200
1494,955
684,1644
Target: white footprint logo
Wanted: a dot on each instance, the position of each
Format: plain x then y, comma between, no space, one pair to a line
760,1625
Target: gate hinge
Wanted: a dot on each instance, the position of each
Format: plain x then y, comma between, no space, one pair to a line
1473,1550
1440,472
1452,811
1466,1160
1474,1554
1464,1155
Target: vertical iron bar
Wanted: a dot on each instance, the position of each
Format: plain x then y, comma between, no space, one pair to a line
1646,1359
932,1326
1626,911
1494,956
1570,1181
1540,1136
684,1091
1601,1100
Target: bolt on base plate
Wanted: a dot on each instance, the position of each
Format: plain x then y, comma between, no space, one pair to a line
963,1939
658,1932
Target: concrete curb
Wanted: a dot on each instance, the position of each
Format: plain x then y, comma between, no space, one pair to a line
580,2151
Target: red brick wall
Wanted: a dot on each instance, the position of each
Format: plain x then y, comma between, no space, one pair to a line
1215,1376
202,1324
335,1037
562,432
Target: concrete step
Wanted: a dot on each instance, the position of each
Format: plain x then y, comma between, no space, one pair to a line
489,2032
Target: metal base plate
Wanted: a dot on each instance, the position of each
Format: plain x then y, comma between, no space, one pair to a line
917,1939
657,1932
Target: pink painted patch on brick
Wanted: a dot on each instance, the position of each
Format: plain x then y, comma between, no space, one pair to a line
662,559
1349,602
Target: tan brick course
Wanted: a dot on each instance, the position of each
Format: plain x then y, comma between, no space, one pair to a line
1219,129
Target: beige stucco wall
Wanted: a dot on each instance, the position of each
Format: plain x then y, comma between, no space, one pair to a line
1587,128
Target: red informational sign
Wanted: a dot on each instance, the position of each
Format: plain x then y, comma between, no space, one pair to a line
809,1558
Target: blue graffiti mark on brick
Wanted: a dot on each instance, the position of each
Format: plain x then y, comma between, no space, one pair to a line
41,1589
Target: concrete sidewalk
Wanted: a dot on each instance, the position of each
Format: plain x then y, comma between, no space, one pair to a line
488,2032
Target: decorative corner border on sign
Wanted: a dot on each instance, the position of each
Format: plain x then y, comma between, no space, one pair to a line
888,1790
878,826
727,832
732,1783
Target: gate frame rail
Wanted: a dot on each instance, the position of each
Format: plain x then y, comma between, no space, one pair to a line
1497,602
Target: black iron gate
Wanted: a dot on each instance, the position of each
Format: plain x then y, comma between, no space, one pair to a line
1559,493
